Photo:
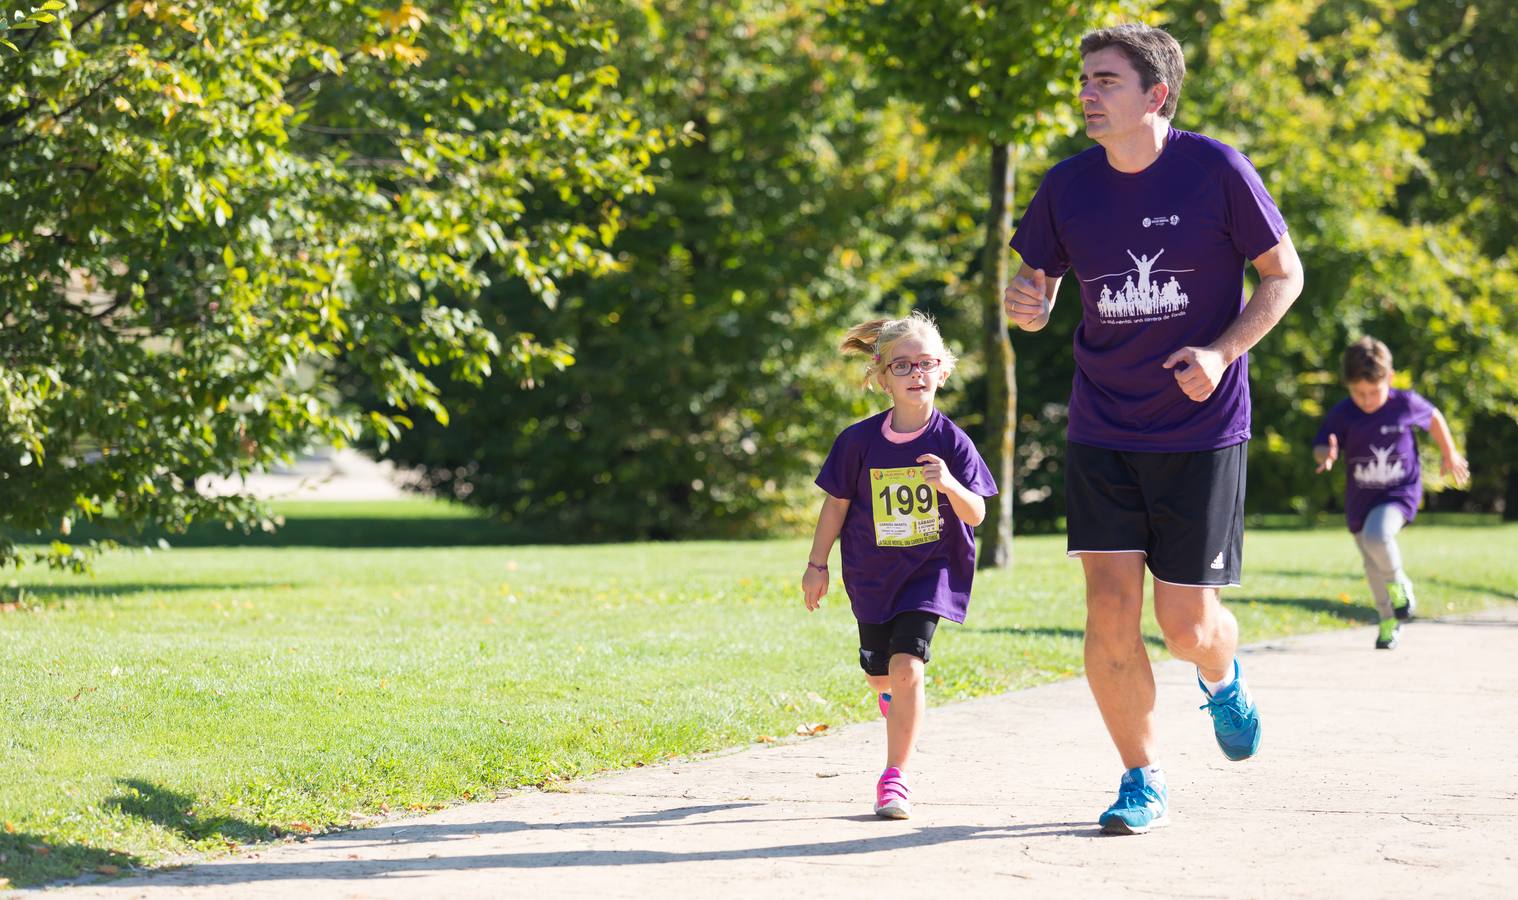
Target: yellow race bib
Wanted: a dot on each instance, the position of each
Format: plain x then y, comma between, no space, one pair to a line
905,507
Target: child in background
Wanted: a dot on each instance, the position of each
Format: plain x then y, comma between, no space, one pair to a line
906,489
1373,428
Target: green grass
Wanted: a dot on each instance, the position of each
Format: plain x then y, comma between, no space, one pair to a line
193,700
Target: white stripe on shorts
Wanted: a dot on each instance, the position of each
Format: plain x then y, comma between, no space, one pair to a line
1071,554
1232,584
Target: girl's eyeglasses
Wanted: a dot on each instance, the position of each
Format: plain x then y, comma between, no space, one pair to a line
905,366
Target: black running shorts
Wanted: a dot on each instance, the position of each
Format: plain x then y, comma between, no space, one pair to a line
1184,511
910,632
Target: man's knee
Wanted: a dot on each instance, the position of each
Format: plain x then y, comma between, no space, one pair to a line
1188,617
1186,638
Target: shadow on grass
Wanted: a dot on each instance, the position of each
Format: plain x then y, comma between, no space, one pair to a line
1304,573
1349,612
1333,520
1460,586
1075,634
382,531
175,812
29,860
1446,583
52,593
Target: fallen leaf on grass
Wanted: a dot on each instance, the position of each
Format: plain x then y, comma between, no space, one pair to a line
108,869
813,728
816,697
764,739
39,849
302,827
10,827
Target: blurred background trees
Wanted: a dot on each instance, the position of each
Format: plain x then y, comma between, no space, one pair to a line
585,263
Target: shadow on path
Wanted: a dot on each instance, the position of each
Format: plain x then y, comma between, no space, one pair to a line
265,870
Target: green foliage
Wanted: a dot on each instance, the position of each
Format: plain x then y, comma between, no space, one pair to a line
1001,71
707,385
212,206
1470,130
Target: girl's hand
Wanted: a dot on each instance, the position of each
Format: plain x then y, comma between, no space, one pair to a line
1456,467
936,473
814,585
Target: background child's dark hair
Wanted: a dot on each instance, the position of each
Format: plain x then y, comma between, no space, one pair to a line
1366,360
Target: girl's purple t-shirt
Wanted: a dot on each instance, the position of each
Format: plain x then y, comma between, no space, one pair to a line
1379,453
1160,256
932,576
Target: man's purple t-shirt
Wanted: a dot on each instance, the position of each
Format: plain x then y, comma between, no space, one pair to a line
1379,453
1160,258
929,571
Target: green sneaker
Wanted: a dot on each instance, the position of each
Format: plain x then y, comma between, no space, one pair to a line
1403,602
1387,638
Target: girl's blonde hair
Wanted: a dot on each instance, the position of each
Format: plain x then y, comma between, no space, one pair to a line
876,340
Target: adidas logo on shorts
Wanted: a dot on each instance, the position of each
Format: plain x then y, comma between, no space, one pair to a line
1217,561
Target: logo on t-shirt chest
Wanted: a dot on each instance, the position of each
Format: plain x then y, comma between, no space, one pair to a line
1144,294
1380,469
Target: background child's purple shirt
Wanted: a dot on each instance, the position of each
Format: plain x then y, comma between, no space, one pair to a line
1379,453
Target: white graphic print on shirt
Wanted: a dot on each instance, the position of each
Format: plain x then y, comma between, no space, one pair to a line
1144,301
1381,470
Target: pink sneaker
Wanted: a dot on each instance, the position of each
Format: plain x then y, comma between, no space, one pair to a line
892,796
885,705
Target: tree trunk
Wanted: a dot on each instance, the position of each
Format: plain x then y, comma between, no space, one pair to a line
1001,374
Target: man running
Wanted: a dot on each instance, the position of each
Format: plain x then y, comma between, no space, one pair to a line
1159,408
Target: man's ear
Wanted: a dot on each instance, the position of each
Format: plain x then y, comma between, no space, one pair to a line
1158,95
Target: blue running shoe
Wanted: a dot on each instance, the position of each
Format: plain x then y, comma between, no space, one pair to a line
1235,718
1141,805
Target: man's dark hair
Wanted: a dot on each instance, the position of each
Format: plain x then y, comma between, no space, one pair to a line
1152,52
